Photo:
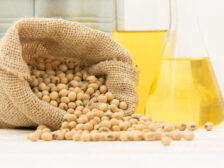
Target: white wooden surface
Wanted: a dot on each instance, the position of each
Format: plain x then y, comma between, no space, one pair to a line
206,151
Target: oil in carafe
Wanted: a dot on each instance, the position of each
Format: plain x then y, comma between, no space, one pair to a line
185,90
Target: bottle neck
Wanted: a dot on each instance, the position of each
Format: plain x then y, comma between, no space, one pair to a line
184,15
184,38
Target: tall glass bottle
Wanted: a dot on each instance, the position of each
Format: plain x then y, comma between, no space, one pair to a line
185,88
142,28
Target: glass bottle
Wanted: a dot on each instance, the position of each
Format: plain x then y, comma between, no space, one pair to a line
141,28
185,88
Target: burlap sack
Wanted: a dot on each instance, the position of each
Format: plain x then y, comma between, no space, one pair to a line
29,38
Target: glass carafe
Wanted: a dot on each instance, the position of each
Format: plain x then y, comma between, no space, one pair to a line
185,88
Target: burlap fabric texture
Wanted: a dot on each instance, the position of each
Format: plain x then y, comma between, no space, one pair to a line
29,38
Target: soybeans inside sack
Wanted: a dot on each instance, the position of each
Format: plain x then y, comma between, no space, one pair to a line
92,112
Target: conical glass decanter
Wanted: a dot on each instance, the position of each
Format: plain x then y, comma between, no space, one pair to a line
185,88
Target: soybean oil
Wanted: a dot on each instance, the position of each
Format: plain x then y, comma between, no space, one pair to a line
146,47
185,90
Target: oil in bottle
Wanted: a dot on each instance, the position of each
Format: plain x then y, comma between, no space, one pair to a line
146,47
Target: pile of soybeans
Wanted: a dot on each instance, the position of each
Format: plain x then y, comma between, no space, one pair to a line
92,112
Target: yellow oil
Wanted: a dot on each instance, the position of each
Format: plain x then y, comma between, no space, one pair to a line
146,47
185,90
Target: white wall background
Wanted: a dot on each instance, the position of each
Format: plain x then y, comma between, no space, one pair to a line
211,15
